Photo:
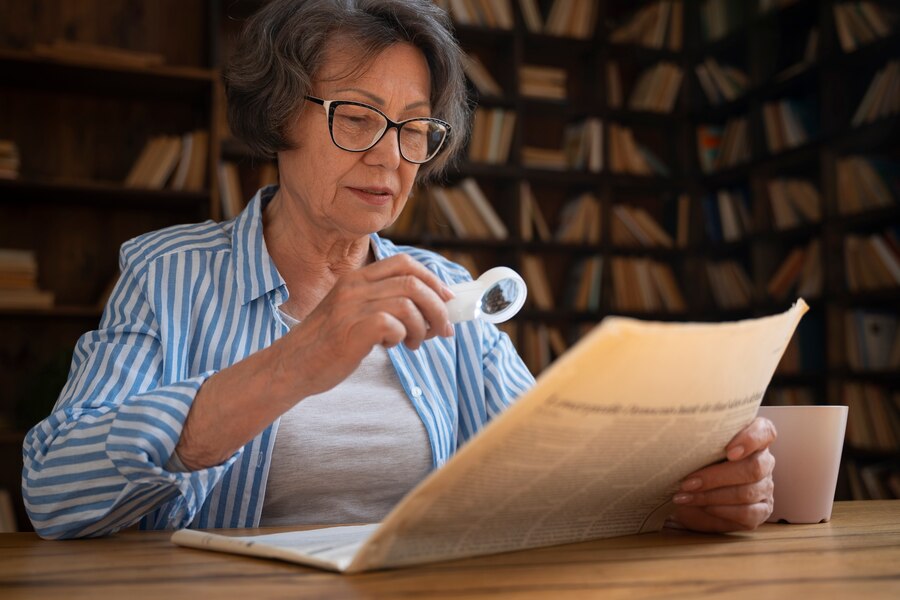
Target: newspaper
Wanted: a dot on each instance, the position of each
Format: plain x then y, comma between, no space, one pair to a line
597,448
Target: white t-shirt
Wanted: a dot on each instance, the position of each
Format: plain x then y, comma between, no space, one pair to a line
347,455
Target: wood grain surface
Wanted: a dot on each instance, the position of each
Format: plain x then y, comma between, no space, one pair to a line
857,554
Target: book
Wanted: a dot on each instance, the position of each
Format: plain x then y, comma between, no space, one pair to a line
594,449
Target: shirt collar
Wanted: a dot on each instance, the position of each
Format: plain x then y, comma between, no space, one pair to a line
255,271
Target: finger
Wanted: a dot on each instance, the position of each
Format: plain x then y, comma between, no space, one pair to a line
403,264
748,516
407,313
721,519
383,327
760,491
697,519
759,434
430,306
755,467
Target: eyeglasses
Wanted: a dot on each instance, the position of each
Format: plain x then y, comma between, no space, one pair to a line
356,127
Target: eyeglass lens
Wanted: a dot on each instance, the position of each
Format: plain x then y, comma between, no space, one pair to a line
359,128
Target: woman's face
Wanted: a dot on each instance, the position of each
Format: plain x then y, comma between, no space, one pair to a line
352,194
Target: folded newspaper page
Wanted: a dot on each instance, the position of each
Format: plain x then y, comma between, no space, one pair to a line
597,448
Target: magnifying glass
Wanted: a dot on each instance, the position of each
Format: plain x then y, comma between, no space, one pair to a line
494,297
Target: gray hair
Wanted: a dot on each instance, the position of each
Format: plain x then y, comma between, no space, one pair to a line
282,48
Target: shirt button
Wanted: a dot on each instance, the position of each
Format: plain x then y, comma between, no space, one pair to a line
416,392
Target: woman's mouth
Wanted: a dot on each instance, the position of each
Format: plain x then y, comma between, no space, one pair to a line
376,196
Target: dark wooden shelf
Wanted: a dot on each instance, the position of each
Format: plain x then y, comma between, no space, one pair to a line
877,52
889,378
874,218
25,70
642,54
101,194
881,298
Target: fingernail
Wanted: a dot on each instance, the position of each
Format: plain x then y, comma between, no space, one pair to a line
736,453
448,293
691,484
673,524
449,330
682,498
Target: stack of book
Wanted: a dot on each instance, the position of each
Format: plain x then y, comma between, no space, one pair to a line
10,160
583,145
614,94
800,273
585,281
720,148
495,14
468,210
872,262
872,340
721,83
544,158
730,285
882,99
479,75
633,226
657,88
540,293
532,222
727,215
873,481
176,161
567,18
645,285
718,18
657,25
872,424
18,281
539,81
860,23
785,125
541,344
865,183
492,134
580,221
627,156
794,202
582,149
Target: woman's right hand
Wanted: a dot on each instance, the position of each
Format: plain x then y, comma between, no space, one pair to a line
388,302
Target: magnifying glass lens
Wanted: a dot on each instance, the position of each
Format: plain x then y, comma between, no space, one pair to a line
499,296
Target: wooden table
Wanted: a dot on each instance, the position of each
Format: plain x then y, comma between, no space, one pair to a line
856,555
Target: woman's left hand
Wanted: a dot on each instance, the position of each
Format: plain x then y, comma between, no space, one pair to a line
732,495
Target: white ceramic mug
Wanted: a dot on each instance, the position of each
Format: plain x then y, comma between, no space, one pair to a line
807,460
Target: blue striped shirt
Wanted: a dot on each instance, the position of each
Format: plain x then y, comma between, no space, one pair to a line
192,300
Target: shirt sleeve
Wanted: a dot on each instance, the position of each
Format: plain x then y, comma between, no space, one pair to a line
103,458
505,375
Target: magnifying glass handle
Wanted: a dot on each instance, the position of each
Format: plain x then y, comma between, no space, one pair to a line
467,295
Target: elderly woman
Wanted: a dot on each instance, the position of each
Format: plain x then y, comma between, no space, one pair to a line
290,366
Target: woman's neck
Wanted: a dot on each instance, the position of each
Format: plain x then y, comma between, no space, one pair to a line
309,260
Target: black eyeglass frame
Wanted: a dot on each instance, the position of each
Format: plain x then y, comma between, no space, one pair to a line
331,105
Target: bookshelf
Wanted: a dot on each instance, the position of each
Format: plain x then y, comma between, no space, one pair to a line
801,75
69,206
85,85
